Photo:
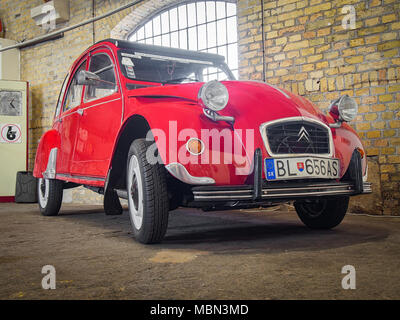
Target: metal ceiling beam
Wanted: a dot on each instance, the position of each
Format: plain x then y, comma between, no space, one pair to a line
54,34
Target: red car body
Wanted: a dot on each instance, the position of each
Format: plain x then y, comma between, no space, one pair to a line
91,139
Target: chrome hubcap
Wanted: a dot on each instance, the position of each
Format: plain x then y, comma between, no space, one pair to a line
43,192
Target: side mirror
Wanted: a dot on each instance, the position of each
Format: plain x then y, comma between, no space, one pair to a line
88,78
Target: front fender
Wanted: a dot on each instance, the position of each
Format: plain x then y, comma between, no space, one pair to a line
174,121
49,140
346,141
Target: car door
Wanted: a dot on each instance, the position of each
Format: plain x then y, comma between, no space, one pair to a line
69,122
100,118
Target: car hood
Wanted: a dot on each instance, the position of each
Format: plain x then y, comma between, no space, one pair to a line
249,101
263,102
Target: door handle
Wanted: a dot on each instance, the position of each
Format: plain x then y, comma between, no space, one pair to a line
80,111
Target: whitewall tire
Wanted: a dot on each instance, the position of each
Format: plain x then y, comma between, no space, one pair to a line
147,195
50,192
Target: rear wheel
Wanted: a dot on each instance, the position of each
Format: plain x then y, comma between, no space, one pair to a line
147,195
323,213
50,193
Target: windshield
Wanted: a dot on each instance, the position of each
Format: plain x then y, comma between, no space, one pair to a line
164,69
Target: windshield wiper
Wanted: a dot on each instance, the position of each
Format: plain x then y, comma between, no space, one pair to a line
177,80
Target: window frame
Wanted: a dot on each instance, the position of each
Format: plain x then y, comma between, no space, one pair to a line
73,74
102,51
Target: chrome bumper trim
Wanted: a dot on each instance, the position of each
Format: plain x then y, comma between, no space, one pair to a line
281,192
263,133
180,172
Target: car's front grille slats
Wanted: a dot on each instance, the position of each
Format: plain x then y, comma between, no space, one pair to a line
298,137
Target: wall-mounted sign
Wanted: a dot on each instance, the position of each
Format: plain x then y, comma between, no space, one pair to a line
10,103
10,133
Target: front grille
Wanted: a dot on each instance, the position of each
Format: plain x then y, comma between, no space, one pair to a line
295,137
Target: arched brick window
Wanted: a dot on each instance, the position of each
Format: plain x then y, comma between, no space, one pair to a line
208,26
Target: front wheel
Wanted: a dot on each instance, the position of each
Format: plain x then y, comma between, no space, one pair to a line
147,195
323,213
50,193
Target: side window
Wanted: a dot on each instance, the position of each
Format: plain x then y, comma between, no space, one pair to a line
101,65
74,94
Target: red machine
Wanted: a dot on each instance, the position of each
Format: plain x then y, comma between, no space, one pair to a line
167,127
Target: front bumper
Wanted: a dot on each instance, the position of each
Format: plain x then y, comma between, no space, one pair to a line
263,191
278,191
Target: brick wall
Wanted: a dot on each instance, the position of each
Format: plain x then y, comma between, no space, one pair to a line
307,51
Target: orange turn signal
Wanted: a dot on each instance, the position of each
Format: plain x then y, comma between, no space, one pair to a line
195,146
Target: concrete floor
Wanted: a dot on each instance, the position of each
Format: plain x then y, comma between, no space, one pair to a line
255,254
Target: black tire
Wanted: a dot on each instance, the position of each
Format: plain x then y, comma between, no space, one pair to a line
322,214
147,194
50,205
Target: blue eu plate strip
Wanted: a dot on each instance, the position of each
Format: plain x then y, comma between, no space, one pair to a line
270,169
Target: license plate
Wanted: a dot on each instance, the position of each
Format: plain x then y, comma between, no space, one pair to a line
302,167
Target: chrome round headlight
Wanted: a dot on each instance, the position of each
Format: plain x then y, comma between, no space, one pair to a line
347,108
214,95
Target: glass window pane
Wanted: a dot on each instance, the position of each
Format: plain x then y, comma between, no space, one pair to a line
221,10
157,25
183,39
164,22
222,51
133,37
221,32
210,11
148,27
174,40
191,14
201,12
182,17
140,33
192,39
165,40
202,34
212,34
173,18
232,60
231,9
157,41
232,34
